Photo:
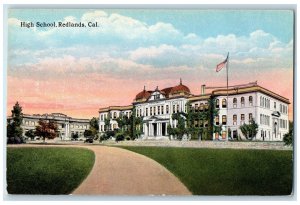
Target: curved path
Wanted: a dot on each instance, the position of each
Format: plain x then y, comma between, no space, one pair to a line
121,172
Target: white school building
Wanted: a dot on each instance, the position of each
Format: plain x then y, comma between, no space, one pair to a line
245,102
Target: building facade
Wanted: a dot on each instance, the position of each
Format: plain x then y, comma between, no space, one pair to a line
237,105
67,126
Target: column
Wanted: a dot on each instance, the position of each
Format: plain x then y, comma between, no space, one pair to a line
166,129
158,129
146,130
66,131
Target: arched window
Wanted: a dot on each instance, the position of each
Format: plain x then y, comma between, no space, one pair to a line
224,120
250,117
234,119
250,100
217,120
217,103
242,101
115,115
234,102
167,109
242,117
224,103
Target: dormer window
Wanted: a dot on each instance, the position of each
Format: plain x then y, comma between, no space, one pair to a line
156,97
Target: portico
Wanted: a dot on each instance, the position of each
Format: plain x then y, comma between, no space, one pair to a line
155,128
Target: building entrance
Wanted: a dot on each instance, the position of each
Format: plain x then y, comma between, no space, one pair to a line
155,129
163,125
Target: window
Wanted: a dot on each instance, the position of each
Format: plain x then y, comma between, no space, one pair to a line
280,108
242,117
224,104
206,123
177,108
261,104
275,105
234,119
201,107
146,111
156,97
260,119
217,103
242,101
173,108
158,110
234,102
206,106
196,107
200,123
250,117
250,100
151,111
167,109
162,109
196,123
115,115
154,111
224,120
217,120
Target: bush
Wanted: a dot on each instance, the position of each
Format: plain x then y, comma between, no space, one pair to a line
120,137
288,138
16,140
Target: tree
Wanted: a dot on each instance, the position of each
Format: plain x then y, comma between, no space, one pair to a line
75,136
288,137
94,127
249,130
46,129
30,134
14,129
87,133
181,128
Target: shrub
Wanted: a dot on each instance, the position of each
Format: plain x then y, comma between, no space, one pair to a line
120,137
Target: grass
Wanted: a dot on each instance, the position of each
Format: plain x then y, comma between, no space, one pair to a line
227,171
47,170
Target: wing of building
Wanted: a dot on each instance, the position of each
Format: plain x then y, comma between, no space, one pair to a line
244,103
67,126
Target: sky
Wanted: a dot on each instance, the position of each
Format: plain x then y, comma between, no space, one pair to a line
76,71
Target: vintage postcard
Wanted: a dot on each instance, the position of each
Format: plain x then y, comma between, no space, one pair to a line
150,102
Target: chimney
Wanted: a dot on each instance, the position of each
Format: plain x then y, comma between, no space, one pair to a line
202,89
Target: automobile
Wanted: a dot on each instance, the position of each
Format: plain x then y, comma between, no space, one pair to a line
89,140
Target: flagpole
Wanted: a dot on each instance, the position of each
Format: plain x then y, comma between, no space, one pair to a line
227,66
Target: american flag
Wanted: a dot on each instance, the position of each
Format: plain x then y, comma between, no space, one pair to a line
222,64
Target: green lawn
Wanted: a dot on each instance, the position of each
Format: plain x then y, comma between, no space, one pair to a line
226,171
47,170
